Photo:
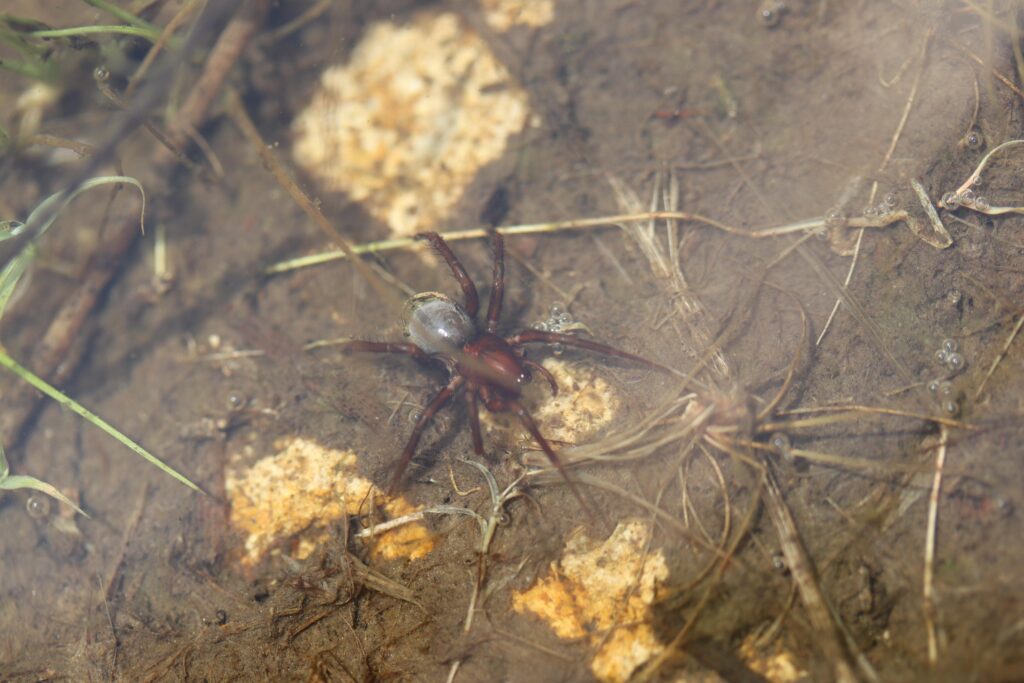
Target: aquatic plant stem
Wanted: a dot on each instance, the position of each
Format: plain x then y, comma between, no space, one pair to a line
52,392
73,31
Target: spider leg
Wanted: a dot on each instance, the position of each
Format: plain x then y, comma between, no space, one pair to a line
407,349
539,336
468,288
531,426
474,421
497,283
417,431
543,371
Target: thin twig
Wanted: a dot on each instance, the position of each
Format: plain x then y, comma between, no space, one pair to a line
820,613
1000,356
928,588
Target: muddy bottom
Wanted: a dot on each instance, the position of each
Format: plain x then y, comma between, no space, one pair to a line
810,473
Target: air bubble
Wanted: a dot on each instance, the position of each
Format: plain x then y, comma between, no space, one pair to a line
769,14
542,326
955,362
967,197
37,507
235,401
974,140
951,200
933,386
557,311
834,218
891,200
564,319
782,445
101,74
557,349
949,345
942,356
946,388
981,204
951,408
870,212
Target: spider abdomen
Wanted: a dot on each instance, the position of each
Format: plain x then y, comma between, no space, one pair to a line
437,324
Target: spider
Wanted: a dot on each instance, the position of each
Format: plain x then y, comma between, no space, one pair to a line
492,369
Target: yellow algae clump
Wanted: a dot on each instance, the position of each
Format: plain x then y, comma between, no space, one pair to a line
405,125
501,15
777,664
585,403
603,592
299,491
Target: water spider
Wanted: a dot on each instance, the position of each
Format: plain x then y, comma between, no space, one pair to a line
490,369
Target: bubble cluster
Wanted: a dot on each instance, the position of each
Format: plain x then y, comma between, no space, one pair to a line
946,395
948,356
884,208
559,320
968,198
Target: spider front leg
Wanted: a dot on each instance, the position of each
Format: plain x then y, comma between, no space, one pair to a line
539,336
531,426
468,288
435,405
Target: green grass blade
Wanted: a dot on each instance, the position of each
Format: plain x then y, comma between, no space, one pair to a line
48,209
121,14
20,481
11,273
73,31
75,407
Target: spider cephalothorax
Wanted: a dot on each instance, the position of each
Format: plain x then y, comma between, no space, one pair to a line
490,368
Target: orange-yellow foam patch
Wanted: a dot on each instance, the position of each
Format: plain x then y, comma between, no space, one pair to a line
597,588
296,493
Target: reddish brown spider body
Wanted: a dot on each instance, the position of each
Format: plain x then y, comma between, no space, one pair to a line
492,369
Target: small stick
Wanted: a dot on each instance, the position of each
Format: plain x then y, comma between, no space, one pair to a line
929,550
165,37
1002,354
821,615
941,239
846,284
528,229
